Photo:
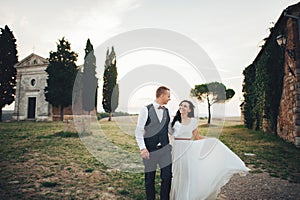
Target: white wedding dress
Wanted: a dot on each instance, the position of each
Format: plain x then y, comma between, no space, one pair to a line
201,167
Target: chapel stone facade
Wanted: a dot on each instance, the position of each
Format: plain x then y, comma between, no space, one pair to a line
30,103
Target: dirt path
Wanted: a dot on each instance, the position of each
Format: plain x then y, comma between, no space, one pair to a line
259,186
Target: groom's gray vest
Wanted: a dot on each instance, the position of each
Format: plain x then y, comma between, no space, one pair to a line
155,131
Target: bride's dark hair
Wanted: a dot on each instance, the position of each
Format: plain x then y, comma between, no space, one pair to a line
177,117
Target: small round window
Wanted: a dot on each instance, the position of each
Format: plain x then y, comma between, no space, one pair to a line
33,82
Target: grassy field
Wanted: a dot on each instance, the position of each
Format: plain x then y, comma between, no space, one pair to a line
43,160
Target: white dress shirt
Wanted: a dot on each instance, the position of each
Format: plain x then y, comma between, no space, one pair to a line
142,119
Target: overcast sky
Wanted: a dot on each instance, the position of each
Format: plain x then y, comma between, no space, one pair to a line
229,31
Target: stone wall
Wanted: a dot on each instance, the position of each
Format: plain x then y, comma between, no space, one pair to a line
288,111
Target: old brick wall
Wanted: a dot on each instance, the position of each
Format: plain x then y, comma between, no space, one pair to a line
288,111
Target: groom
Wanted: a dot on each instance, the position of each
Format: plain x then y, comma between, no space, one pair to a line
152,137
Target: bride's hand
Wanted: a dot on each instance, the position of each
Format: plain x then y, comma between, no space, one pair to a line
196,136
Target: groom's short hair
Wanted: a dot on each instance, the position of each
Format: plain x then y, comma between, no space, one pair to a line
161,90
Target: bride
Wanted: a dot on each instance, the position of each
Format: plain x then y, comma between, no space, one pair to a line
201,165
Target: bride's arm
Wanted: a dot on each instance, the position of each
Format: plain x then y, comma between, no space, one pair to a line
196,136
171,129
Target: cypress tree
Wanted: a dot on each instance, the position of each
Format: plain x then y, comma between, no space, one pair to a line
89,80
8,58
110,92
62,72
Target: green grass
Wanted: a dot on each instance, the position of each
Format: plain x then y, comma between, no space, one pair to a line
40,160
272,154
56,164
48,184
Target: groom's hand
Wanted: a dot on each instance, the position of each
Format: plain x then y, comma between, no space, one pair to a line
145,153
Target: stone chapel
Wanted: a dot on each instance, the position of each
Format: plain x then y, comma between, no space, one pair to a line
30,103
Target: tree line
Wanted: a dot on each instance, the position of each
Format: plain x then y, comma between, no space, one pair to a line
63,72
